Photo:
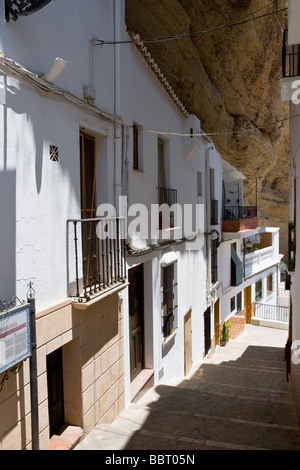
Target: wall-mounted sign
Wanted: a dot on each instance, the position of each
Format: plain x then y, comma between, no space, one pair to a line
14,336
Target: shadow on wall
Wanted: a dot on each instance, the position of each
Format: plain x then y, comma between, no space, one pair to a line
7,235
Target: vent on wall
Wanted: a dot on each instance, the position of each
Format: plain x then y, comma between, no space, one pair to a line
53,153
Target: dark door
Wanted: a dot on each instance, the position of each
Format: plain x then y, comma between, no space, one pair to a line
88,210
55,391
207,331
88,176
136,319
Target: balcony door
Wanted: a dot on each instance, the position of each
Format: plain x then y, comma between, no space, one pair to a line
88,209
88,176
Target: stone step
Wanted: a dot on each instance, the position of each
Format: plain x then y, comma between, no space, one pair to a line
198,429
244,376
165,397
233,390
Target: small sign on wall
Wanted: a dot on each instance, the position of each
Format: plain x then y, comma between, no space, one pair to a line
14,336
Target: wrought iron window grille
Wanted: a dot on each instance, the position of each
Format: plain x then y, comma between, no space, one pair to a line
16,8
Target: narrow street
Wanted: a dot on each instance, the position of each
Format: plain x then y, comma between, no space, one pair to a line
238,399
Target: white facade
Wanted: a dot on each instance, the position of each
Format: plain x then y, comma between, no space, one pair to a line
106,94
290,92
40,171
256,253
186,164
41,194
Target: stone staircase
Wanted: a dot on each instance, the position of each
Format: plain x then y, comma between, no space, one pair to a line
238,399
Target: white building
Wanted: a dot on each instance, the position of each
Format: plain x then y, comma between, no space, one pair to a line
68,137
101,124
60,156
168,316
250,260
290,85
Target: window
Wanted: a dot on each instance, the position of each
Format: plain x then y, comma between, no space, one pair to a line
258,290
270,284
199,184
236,267
169,299
137,155
214,261
232,304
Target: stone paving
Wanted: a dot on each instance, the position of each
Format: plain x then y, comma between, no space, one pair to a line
238,399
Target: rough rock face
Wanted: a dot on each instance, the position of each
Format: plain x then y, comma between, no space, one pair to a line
230,79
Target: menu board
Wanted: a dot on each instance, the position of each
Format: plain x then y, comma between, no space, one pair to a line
14,336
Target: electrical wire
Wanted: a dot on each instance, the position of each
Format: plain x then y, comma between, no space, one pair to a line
212,134
136,39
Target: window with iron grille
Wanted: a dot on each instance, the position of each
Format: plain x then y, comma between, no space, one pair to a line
169,306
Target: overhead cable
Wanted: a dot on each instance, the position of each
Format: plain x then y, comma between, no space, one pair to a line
101,42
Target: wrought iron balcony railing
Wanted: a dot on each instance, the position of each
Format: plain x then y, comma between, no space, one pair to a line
239,212
290,62
98,255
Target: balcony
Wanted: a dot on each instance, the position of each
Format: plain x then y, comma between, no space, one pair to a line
239,218
260,260
290,63
96,256
290,68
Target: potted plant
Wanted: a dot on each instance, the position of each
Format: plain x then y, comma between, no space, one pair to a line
225,333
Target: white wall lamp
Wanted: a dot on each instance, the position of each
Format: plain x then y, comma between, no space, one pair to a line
55,70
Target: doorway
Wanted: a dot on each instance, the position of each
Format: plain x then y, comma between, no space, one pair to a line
207,332
55,391
88,209
136,319
247,304
217,321
188,357
88,176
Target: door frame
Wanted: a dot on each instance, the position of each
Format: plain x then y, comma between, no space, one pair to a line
207,331
188,352
136,271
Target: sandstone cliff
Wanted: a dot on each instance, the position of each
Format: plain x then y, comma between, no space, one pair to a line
230,79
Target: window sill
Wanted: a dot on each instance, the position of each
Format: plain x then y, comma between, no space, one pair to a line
170,337
136,170
98,297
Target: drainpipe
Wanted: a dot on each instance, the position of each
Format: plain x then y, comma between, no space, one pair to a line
207,228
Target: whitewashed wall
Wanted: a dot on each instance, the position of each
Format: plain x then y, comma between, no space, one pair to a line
159,114
38,195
